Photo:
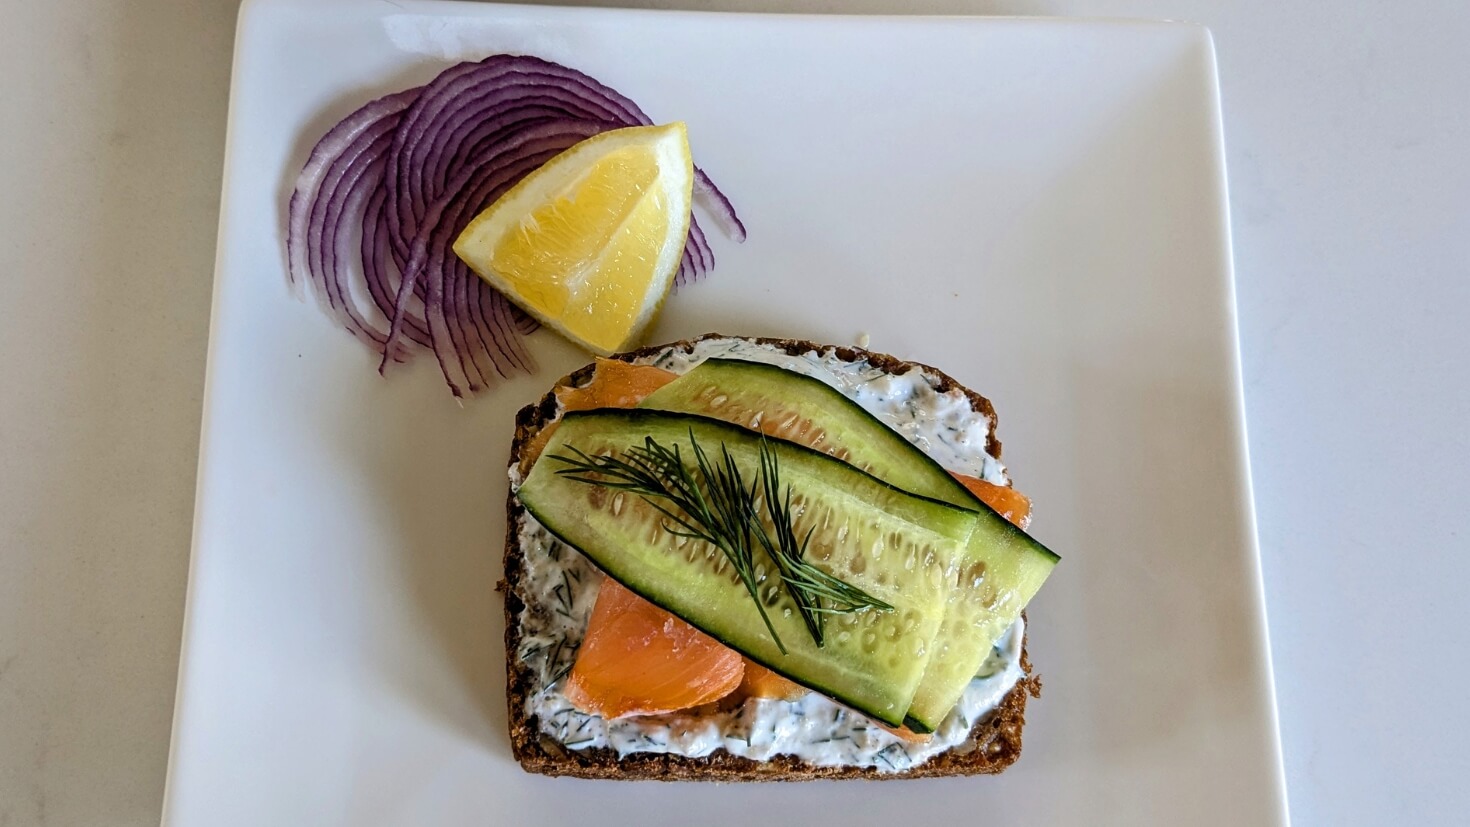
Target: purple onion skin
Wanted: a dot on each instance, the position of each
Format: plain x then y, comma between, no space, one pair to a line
385,192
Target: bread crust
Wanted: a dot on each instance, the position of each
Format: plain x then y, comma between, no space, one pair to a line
997,737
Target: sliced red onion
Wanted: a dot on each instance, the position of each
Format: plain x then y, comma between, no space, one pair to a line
384,193
704,256
352,147
710,199
685,273
377,269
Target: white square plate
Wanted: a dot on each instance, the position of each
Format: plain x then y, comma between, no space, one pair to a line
1036,206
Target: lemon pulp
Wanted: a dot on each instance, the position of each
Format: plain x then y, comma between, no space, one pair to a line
590,242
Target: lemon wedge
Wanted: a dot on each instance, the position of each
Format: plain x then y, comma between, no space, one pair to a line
590,242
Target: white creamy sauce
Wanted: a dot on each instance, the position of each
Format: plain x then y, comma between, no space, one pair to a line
813,728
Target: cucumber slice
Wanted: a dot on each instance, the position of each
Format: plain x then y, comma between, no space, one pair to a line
896,546
788,405
999,574
1001,567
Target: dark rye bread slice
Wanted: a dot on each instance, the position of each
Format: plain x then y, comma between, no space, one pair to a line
997,737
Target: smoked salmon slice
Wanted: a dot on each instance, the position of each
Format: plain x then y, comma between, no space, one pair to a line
638,659
760,682
614,384
1007,502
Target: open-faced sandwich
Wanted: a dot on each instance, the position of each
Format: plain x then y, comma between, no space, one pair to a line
754,559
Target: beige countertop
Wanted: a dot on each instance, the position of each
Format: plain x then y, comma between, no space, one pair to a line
110,165
1346,126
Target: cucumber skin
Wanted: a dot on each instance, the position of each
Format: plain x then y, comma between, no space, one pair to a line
635,424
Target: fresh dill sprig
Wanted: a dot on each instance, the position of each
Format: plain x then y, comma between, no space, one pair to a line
808,585
710,501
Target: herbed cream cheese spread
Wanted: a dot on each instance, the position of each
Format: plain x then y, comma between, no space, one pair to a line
813,728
